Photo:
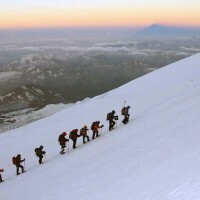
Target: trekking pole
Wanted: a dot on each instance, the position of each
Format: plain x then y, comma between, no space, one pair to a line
101,131
44,157
67,146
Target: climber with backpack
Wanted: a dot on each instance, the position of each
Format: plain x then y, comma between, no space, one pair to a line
73,136
17,162
39,153
1,180
95,128
125,113
83,132
62,140
111,117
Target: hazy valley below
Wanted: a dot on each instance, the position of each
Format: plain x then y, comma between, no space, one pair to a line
39,72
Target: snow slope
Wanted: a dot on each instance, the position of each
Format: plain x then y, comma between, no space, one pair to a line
154,157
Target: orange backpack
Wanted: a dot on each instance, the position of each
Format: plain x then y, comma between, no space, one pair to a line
14,160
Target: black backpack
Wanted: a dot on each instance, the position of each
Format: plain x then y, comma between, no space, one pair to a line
108,116
37,152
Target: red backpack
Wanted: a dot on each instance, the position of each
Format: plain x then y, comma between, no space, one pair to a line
73,134
14,160
123,111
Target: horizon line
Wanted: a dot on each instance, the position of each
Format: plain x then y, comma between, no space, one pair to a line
96,27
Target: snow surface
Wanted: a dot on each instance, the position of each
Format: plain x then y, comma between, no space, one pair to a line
154,157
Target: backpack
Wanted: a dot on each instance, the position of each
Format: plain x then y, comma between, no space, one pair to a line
72,133
93,124
81,131
108,116
14,160
60,138
37,152
123,111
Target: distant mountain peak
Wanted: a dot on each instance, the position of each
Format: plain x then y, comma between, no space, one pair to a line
156,30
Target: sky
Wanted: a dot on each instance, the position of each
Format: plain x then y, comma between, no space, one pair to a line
97,13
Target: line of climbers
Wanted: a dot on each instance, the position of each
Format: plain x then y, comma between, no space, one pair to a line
111,117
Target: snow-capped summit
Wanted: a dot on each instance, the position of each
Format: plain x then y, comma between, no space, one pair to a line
154,157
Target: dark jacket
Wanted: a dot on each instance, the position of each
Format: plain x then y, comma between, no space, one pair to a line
62,139
74,134
19,160
111,116
39,152
126,111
